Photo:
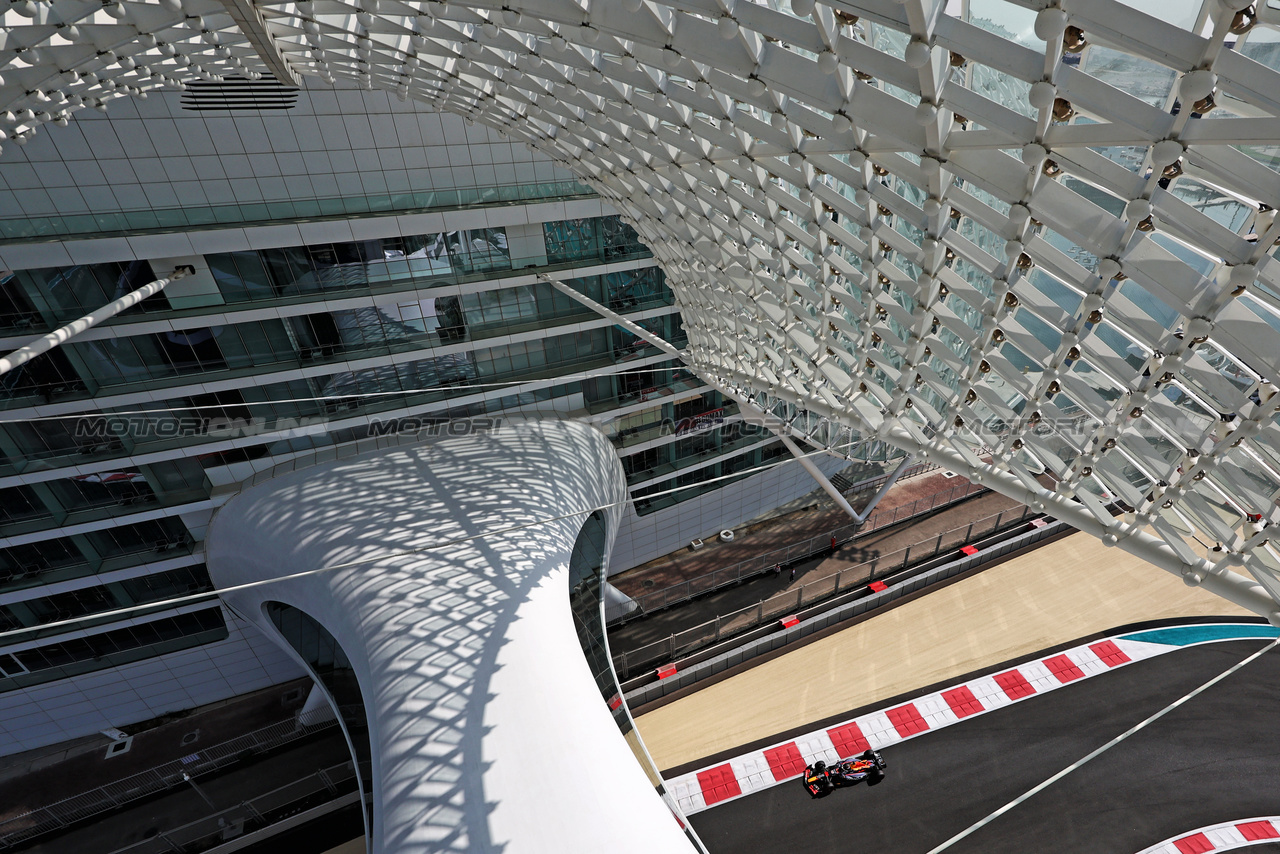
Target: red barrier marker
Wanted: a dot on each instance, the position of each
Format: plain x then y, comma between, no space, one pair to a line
785,761
789,621
848,740
1197,844
962,701
969,550
1014,685
718,784
1253,830
907,720
878,586
666,670
1063,668
1110,654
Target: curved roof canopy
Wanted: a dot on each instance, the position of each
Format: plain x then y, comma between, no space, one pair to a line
1030,241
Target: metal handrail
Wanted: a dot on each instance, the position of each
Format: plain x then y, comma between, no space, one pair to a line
687,641
17,829
727,576
717,659
333,785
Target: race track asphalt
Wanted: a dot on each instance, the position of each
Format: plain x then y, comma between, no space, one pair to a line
1214,759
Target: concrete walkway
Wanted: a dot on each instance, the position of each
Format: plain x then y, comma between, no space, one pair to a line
1066,590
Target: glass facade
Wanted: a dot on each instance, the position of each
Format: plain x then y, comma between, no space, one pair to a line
38,300
97,651
35,612
445,332
211,417
191,217
33,300
696,477
79,555
607,238
85,498
82,369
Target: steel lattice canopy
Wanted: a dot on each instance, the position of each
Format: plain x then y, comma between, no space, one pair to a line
1032,242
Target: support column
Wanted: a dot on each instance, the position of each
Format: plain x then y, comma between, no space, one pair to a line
888,484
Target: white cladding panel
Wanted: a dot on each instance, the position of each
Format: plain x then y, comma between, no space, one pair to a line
335,142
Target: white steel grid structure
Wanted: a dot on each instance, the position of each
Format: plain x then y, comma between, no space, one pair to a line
1030,241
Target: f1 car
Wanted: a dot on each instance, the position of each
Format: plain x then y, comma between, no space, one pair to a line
820,779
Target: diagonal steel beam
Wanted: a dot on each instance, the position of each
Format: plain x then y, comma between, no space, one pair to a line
254,27
63,334
770,422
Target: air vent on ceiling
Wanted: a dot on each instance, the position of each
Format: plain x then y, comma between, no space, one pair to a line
239,93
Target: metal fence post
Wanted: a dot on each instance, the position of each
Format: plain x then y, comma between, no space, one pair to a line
173,845
253,812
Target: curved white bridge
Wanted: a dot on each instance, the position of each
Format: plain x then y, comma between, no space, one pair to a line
486,729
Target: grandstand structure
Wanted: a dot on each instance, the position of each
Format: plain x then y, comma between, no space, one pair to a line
1032,242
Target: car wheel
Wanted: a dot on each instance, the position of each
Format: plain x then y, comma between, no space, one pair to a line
875,779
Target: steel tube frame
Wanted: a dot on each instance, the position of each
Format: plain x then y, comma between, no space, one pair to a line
1219,580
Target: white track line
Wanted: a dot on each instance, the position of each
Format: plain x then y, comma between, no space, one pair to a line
1104,748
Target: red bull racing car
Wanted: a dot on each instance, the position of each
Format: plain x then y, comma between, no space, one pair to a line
821,779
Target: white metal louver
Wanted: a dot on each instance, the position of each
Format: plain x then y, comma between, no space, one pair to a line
1032,241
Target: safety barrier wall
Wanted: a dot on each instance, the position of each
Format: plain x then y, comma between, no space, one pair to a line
684,643
685,590
18,829
683,678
